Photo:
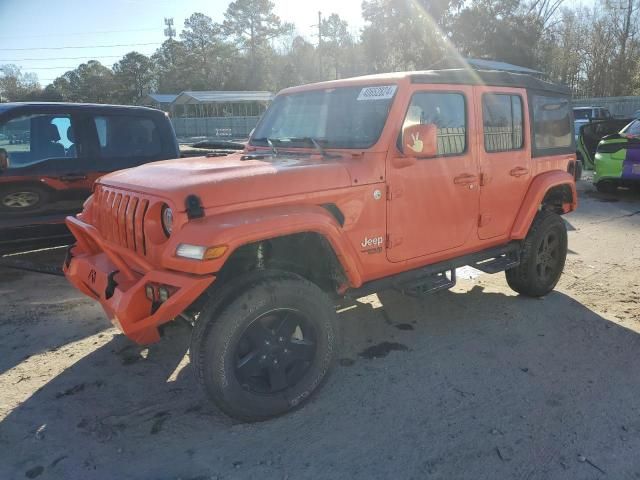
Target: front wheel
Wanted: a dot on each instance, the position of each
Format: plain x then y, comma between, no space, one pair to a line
542,257
22,198
264,351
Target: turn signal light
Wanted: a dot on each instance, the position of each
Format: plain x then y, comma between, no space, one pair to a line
197,252
215,252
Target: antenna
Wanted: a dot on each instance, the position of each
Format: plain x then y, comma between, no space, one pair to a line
169,32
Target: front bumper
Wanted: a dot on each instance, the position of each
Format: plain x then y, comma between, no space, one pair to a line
117,278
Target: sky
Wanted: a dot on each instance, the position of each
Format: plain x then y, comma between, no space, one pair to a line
43,37
49,38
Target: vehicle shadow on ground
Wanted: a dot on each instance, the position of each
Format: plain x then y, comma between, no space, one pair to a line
498,385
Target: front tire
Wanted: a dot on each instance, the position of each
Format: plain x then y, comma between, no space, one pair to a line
19,199
265,350
607,186
542,257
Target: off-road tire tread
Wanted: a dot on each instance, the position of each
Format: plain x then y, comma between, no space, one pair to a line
519,278
223,302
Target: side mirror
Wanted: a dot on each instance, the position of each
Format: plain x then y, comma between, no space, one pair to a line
420,140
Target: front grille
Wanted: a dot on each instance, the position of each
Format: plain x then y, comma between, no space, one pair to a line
120,217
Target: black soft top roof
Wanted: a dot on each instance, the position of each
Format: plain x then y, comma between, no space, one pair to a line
493,78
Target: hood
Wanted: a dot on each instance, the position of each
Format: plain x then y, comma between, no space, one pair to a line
228,180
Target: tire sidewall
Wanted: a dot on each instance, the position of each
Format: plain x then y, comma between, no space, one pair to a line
216,354
552,222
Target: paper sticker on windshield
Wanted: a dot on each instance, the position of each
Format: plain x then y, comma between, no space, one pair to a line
377,93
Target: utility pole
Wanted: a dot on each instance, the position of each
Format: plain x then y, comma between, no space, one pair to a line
169,32
320,43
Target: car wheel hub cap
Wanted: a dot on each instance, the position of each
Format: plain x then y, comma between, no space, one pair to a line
275,351
20,199
548,256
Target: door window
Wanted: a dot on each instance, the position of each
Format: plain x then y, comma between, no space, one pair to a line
31,139
503,123
127,136
448,112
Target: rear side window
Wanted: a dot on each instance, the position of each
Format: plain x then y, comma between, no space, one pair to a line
502,122
127,136
445,110
551,122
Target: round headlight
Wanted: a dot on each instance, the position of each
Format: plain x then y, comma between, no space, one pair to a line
167,219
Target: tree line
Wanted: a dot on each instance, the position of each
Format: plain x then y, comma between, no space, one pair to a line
595,50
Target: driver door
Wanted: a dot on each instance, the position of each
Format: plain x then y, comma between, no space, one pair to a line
433,202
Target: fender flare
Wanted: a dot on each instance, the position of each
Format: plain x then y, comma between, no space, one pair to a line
535,195
239,228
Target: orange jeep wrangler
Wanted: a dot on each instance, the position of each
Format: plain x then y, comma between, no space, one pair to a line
345,188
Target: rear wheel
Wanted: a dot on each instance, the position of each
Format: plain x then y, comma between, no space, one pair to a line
542,257
264,351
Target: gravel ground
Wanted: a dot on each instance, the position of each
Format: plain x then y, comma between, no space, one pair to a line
471,383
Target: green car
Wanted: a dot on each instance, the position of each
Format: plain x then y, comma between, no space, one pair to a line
617,159
589,135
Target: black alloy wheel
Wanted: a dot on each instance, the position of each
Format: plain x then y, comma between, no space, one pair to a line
275,351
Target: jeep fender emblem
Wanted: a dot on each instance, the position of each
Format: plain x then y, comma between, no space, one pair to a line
372,245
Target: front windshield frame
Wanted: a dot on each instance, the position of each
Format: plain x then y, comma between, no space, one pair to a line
306,142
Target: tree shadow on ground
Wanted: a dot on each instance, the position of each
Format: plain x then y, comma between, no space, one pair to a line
479,385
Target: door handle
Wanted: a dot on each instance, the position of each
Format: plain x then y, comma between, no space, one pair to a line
518,171
72,177
465,179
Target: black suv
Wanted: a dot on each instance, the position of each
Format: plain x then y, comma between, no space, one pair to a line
52,153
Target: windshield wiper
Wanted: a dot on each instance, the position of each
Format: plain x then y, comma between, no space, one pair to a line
315,143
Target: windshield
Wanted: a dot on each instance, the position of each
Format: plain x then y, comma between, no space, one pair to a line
346,117
582,114
632,129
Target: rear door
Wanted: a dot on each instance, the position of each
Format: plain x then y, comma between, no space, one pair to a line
505,158
433,202
128,140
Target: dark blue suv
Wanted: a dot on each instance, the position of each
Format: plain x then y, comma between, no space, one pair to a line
52,153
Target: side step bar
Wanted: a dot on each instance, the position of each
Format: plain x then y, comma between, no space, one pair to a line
429,284
431,278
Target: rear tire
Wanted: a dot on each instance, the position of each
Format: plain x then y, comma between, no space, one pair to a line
266,348
542,257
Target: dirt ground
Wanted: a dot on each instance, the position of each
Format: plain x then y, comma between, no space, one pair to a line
474,383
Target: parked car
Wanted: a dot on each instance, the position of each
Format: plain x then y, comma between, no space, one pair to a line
347,188
590,135
617,159
591,113
56,151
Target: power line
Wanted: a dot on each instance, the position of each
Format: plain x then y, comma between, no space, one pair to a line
57,58
78,46
49,68
81,33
